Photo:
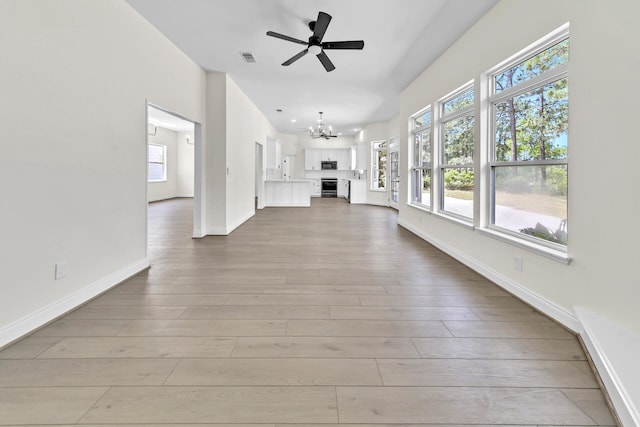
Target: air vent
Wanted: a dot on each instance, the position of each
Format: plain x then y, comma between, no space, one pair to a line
248,57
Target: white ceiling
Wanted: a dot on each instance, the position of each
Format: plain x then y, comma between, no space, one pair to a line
402,38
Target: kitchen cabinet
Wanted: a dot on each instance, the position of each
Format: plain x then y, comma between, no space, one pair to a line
312,159
358,191
274,154
314,156
287,193
316,188
343,187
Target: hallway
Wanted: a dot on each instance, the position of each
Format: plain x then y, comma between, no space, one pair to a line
325,315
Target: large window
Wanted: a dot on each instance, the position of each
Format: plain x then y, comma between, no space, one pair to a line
157,163
379,166
456,147
529,102
421,159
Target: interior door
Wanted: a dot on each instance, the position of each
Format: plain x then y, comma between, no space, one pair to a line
394,177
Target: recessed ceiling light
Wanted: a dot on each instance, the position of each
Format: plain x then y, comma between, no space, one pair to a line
293,120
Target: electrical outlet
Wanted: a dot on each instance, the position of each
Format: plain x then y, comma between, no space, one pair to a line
518,263
61,270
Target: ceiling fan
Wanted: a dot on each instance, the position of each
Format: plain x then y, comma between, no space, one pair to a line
315,45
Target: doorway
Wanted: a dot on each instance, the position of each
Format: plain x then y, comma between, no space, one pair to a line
394,174
259,175
174,163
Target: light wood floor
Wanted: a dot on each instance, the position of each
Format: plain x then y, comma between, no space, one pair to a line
303,316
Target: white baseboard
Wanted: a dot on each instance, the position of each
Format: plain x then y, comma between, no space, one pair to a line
547,307
27,324
614,352
225,231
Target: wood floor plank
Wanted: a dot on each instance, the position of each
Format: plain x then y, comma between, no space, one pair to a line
499,348
439,301
272,371
340,347
29,347
257,312
84,372
457,405
143,347
367,328
46,405
487,329
68,327
162,300
483,373
402,313
203,328
293,300
215,405
127,312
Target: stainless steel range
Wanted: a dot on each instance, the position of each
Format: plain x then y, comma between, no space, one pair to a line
329,187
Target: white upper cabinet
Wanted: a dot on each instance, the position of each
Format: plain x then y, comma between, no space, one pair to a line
314,156
312,159
274,154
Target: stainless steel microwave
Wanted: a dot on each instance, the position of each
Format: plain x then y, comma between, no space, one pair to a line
329,165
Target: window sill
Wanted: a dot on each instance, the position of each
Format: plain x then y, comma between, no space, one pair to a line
461,222
446,217
553,254
378,191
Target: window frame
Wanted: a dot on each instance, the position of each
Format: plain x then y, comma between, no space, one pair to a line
559,72
375,171
440,120
417,161
163,162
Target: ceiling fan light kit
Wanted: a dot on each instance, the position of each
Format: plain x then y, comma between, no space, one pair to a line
315,45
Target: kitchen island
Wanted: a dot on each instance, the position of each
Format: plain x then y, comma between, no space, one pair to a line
289,192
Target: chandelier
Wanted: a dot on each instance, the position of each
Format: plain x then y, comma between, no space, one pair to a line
321,131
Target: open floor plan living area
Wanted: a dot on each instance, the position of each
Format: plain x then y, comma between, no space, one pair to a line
286,213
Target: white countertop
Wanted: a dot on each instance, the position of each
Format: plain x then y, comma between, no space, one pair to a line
287,180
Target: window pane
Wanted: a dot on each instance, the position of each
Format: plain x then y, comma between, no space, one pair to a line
532,200
426,148
417,137
156,172
379,172
538,64
458,191
423,120
156,153
421,181
458,141
458,102
533,125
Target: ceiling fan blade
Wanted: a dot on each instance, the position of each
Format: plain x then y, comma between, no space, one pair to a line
352,44
287,38
326,62
295,58
321,25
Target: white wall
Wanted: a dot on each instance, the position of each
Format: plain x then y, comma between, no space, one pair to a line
180,165
73,117
185,163
603,209
165,189
230,160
